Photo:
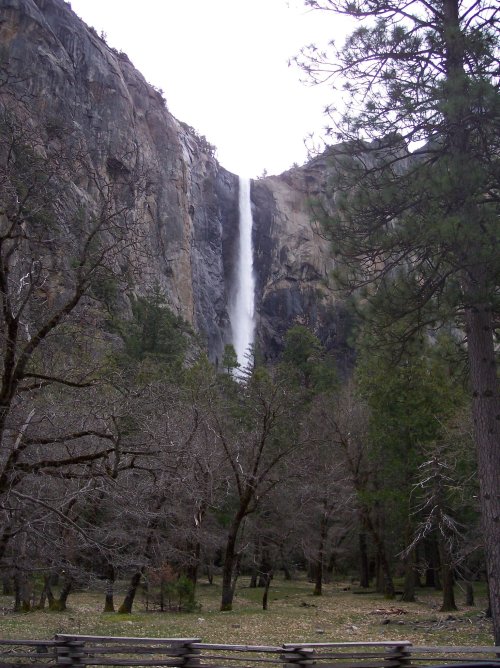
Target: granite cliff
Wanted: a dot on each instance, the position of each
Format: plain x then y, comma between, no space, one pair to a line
67,76
294,261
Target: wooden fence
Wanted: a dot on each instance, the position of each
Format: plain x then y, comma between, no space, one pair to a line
78,650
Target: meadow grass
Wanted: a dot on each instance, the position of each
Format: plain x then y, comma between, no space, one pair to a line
294,615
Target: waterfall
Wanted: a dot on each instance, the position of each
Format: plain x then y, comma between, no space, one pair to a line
242,311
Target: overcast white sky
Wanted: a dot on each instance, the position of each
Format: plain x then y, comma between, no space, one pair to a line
222,65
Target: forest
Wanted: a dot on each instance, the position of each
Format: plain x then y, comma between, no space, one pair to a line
126,455
139,466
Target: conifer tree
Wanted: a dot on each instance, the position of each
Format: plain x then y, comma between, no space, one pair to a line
419,231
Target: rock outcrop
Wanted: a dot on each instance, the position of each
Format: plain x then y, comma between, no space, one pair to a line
294,261
187,209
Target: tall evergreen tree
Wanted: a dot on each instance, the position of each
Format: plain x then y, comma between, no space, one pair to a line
421,230
411,399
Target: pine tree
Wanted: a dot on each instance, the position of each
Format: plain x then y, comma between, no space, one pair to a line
419,231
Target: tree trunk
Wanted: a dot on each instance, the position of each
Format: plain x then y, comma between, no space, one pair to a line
7,588
265,597
383,570
265,566
331,566
42,600
386,572
438,585
191,571
46,594
379,577
48,591
236,573
469,594
318,583
486,414
194,550
487,612
228,566
162,595
57,604
447,577
255,571
430,566
323,532
409,581
126,607
22,593
448,591
409,565
364,574
109,603
418,561
284,565
65,592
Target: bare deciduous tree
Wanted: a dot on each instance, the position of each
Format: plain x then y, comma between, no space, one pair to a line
59,245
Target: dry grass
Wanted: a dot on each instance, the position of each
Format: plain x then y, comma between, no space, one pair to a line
294,615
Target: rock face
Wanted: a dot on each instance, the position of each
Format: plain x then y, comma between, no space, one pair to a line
294,262
187,210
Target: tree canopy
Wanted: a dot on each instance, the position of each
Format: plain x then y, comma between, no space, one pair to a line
413,212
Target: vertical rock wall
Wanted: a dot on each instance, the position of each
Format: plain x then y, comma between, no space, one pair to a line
63,75
294,262
66,76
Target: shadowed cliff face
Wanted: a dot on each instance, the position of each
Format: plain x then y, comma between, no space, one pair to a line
294,261
64,78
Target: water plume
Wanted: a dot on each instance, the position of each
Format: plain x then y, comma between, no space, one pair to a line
243,303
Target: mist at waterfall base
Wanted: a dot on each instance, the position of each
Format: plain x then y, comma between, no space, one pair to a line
243,302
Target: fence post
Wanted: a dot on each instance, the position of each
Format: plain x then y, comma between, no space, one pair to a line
69,652
190,655
296,655
399,655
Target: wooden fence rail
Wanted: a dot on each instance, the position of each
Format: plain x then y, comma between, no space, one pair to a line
71,651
